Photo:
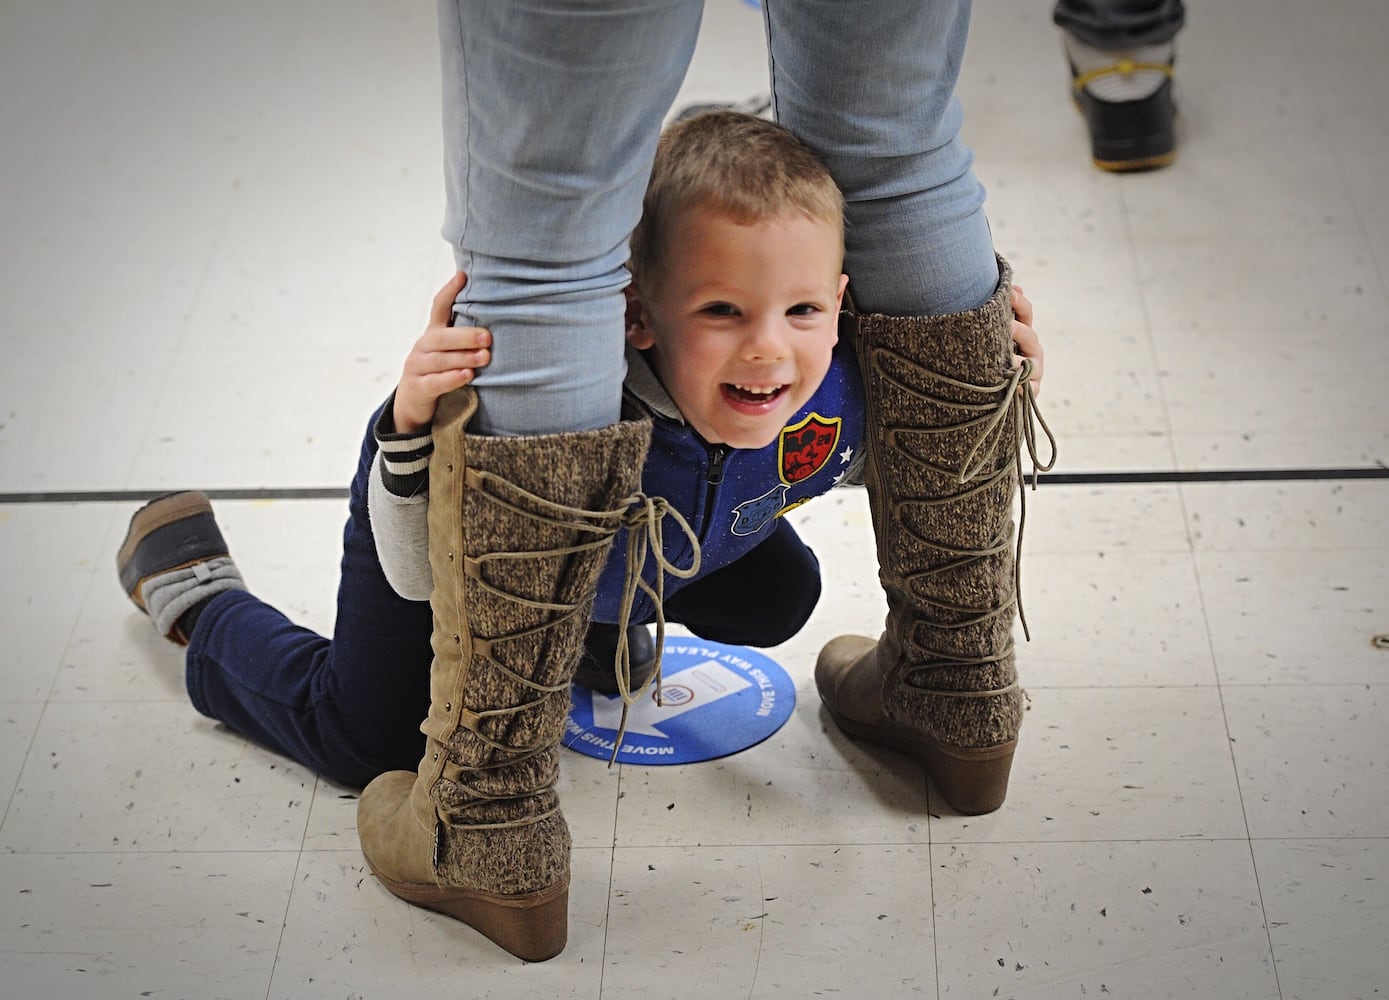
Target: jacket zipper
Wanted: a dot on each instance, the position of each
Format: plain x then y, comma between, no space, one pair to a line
718,454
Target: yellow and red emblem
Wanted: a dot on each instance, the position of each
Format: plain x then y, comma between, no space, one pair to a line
804,448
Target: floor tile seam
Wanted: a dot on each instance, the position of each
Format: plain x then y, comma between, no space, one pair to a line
1203,604
761,924
294,883
1368,237
778,845
164,852
23,761
1297,331
1368,240
611,850
1198,548
935,927
1230,747
1094,841
1264,915
1248,231
1300,70
1340,838
1359,685
1118,687
1365,838
1136,267
1368,549
95,569
47,701
959,842
68,700
1105,551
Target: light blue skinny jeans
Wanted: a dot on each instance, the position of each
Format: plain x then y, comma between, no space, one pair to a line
552,109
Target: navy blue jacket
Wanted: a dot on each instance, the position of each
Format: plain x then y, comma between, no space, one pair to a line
732,496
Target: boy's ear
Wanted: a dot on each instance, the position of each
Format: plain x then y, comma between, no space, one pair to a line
843,284
638,328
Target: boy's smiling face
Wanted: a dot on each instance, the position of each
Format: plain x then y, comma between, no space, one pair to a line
741,321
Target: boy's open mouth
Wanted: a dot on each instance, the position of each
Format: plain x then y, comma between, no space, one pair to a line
752,395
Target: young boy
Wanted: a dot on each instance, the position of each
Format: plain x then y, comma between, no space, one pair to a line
734,353
732,330
756,407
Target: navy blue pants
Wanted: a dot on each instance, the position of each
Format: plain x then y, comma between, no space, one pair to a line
350,706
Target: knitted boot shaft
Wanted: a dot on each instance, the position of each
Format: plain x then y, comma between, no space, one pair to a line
942,471
519,531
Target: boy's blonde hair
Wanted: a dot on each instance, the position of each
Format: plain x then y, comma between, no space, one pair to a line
732,163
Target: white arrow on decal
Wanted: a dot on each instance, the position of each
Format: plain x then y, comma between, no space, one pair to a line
688,689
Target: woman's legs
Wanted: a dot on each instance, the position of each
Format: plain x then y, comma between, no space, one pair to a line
934,346
870,86
552,111
551,115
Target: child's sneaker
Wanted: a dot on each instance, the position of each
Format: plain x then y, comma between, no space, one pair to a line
173,559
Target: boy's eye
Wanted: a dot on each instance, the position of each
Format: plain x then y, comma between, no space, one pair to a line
804,309
720,309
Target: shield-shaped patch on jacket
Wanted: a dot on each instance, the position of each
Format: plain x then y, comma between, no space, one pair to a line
804,448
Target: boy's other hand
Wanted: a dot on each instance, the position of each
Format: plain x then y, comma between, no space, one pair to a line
1026,343
443,359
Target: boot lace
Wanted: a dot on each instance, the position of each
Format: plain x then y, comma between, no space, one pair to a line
644,517
979,470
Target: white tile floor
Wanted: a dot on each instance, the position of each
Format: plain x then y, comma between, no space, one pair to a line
219,226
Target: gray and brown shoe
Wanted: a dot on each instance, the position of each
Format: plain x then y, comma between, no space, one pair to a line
173,559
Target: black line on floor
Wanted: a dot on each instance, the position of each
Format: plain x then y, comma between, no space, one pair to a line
128,496
1208,476
1148,478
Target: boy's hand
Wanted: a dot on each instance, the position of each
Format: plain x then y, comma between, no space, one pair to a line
443,359
1026,343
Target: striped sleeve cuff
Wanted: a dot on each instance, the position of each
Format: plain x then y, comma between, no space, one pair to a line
404,457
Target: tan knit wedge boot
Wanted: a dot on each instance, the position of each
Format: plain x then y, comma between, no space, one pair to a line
519,529
945,418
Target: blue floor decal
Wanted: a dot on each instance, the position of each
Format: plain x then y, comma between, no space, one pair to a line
716,700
